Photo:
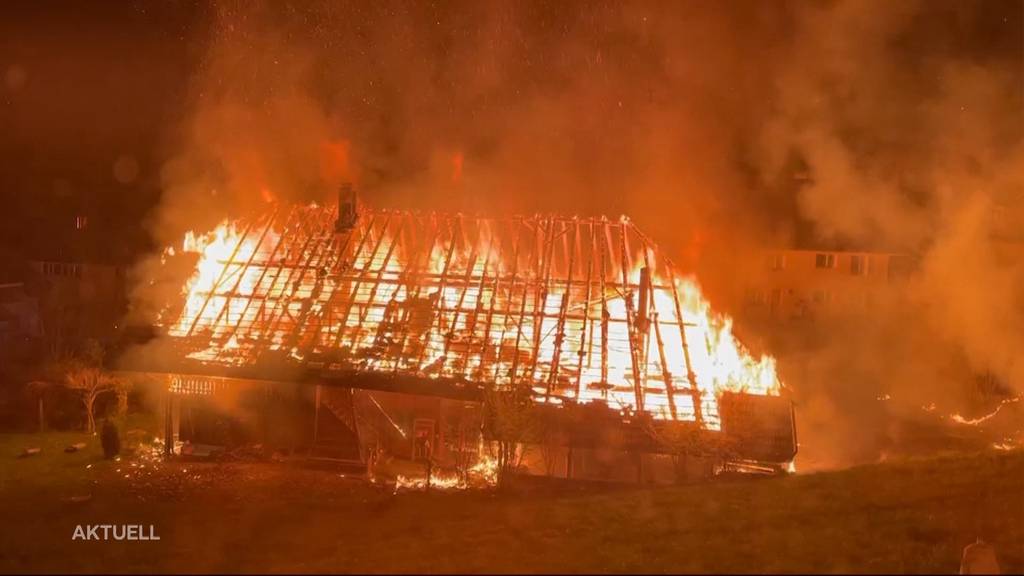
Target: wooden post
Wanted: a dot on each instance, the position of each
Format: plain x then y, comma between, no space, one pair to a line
511,291
168,426
556,357
691,376
631,322
586,343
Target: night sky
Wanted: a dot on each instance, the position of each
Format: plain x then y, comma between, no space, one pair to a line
98,97
87,84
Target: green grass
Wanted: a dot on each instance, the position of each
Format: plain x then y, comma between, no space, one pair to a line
51,468
911,516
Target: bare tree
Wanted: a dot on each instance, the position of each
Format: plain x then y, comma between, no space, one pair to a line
84,375
88,382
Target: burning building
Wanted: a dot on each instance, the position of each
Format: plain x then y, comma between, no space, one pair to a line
584,313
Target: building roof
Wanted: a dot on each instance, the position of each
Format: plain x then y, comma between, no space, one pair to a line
562,304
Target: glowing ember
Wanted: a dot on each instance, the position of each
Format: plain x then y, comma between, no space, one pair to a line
583,310
483,473
975,421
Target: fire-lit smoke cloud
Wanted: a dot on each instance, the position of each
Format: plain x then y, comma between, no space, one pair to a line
909,119
479,106
691,117
485,107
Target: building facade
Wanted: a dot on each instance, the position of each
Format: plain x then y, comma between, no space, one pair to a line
801,284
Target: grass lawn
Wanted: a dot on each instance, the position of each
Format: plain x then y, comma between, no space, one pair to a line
911,516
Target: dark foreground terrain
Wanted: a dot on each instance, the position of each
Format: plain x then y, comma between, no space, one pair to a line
911,516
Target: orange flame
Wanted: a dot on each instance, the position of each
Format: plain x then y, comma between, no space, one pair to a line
252,281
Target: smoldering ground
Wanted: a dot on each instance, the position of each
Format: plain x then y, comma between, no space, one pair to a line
902,121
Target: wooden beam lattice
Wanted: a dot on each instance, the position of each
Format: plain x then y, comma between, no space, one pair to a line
549,302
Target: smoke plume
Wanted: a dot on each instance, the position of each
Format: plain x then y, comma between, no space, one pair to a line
902,119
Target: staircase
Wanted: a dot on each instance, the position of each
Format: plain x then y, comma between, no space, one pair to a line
336,431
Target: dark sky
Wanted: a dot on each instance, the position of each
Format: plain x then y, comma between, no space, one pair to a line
95,94
85,84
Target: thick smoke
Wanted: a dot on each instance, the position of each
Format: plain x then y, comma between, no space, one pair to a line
688,116
908,117
477,106
484,107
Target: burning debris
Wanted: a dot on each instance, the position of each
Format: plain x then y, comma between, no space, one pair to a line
582,309
577,312
981,419
483,473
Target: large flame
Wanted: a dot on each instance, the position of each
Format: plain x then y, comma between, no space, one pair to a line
224,244
493,314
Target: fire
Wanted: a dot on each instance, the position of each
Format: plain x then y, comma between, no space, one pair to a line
215,249
562,304
483,473
982,419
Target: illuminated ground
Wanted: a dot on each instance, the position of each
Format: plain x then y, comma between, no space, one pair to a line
909,516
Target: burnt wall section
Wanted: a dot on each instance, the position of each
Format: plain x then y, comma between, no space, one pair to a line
344,422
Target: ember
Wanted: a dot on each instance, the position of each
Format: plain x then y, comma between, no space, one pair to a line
483,473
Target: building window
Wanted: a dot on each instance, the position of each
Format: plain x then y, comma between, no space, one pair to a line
777,262
825,261
821,296
62,269
858,265
81,222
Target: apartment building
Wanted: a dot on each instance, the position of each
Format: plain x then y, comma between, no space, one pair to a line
804,284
